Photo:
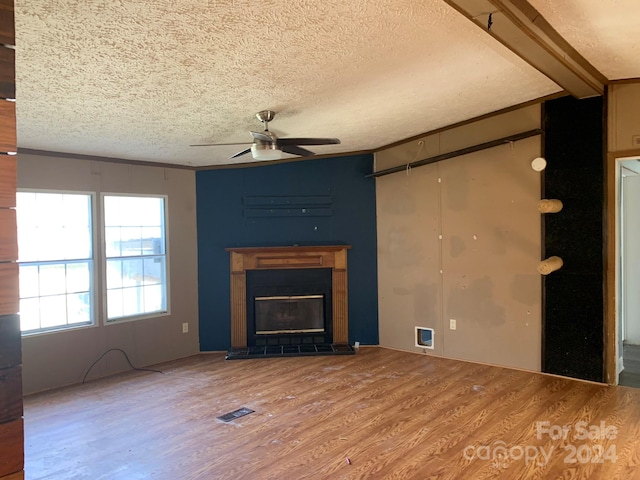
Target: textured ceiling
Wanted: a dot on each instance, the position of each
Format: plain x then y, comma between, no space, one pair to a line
142,80
605,32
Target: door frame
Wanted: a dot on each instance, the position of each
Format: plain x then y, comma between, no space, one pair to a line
612,268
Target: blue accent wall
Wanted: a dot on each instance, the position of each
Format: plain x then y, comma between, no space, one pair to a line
314,202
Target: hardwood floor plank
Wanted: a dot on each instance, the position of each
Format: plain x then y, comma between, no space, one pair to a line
393,414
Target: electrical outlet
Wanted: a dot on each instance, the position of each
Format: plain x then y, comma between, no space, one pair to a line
452,324
185,327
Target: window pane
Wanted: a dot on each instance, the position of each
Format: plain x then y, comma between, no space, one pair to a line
132,301
29,283
79,308
53,226
78,210
132,272
53,311
130,241
50,243
29,314
152,240
54,232
114,274
153,270
50,209
112,241
76,242
136,262
52,279
114,303
78,277
112,211
153,298
27,240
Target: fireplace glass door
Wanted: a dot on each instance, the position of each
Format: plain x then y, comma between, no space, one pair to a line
286,314
289,307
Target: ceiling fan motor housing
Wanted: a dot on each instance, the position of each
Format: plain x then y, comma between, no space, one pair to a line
265,151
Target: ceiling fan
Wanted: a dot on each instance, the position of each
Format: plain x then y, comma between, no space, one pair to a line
267,146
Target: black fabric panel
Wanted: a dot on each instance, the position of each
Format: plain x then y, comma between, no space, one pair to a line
573,311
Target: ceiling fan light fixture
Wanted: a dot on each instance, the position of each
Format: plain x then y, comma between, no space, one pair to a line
265,151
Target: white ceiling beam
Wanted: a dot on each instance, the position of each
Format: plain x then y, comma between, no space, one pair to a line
520,27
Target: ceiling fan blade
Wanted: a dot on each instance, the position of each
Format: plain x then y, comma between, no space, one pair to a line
295,150
243,152
308,141
216,144
263,136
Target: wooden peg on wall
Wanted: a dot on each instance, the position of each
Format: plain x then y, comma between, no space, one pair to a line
550,265
549,206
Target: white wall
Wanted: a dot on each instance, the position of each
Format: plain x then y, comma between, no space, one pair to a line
61,358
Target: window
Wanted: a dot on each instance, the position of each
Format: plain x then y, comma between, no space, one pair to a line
55,260
135,250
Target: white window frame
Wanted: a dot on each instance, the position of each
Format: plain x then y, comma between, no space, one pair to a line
92,265
103,259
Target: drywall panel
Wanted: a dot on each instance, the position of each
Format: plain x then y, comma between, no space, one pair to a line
624,117
482,273
409,281
62,358
631,257
490,249
463,136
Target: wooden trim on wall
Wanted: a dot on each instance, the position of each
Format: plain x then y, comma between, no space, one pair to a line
7,23
8,235
610,297
624,81
11,450
8,181
11,403
96,158
7,125
9,296
7,73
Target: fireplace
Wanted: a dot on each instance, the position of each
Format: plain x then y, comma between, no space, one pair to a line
289,314
289,306
289,295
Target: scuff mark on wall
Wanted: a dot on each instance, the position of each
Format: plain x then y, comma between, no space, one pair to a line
500,241
523,289
457,246
403,250
425,302
401,203
458,199
474,302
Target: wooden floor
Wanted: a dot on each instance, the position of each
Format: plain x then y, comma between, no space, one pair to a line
392,414
630,376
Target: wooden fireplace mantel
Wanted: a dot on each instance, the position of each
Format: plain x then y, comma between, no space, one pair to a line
276,258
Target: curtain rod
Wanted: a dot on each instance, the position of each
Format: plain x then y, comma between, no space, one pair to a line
457,153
